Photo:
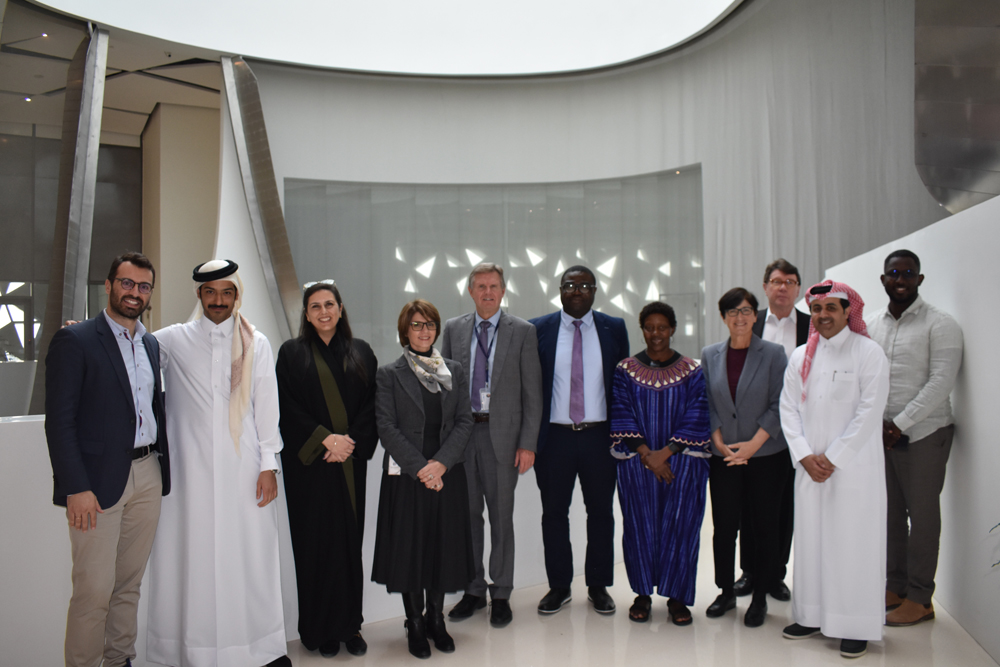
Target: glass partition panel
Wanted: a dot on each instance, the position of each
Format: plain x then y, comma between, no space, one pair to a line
385,244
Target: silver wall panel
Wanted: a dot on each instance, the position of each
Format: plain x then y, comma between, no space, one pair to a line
957,100
261,192
81,136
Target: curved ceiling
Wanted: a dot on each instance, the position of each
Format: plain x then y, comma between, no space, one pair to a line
437,37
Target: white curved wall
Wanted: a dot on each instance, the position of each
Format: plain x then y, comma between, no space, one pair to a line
799,111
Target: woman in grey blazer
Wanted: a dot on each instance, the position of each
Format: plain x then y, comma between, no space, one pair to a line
749,465
423,541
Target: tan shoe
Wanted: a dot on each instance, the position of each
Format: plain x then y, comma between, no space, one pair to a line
892,600
909,613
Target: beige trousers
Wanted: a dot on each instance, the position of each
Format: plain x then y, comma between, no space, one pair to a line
108,564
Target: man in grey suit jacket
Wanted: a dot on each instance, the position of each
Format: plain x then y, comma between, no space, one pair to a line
500,354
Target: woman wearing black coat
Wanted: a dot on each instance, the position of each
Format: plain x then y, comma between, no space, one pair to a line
326,388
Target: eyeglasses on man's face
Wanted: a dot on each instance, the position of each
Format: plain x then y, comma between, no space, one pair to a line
128,284
905,274
788,282
420,326
585,288
745,310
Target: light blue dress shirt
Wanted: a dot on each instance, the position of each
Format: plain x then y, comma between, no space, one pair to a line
140,377
594,399
491,335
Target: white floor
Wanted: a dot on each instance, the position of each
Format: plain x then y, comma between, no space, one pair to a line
580,637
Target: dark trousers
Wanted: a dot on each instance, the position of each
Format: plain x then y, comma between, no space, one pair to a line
752,494
565,455
786,525
914,477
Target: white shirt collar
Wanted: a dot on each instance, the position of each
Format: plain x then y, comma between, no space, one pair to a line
769,316
567,319
208,326
839,340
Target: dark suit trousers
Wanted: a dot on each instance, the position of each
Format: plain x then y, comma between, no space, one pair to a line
754,494
786,525
565,455
914,477
491,481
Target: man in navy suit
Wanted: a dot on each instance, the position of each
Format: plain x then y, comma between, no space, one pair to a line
579,349
782,323
104,424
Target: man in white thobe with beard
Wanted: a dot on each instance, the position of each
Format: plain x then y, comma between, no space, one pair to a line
836,386
215,592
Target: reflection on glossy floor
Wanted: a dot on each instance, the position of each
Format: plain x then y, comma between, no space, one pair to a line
578,636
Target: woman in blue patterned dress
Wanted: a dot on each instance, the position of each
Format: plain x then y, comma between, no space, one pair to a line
660,434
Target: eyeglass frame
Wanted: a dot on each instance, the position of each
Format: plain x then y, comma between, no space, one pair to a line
789,283
745,310
128,288
583,288
420,326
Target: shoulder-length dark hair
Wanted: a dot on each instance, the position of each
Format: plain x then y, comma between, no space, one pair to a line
343,340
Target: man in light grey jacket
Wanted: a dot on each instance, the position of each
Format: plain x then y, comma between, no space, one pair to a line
500,353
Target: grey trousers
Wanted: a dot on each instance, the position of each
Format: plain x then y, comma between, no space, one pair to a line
108,563
914,477
491,482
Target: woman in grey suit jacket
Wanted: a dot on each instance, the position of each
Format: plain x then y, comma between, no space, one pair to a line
749,465
423,541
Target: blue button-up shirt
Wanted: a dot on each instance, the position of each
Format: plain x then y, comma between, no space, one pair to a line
140,377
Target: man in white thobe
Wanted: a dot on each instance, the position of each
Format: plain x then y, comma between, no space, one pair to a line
836,386
215,593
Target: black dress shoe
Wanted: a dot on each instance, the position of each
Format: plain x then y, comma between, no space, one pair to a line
356,645
554,600
743,586
755,615
416,638
329,649
283,661
722,604
466,607
853,648
780,592
500,613
796,631
603,603
437,631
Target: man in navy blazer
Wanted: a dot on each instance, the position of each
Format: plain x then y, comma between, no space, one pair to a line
579,349
104,423
776,324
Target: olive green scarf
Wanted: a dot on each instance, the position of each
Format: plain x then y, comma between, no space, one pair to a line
338,420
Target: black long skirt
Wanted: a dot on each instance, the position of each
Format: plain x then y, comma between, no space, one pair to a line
424,539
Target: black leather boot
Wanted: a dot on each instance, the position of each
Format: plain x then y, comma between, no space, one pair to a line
416,630
434,619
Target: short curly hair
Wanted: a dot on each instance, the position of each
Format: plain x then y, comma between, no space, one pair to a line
658,308
425,308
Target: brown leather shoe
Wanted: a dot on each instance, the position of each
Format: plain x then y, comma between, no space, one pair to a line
909,613
892,600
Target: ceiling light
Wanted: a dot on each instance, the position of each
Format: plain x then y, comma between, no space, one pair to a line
45,34
27,99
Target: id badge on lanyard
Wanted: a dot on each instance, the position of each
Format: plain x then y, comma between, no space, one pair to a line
484,398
